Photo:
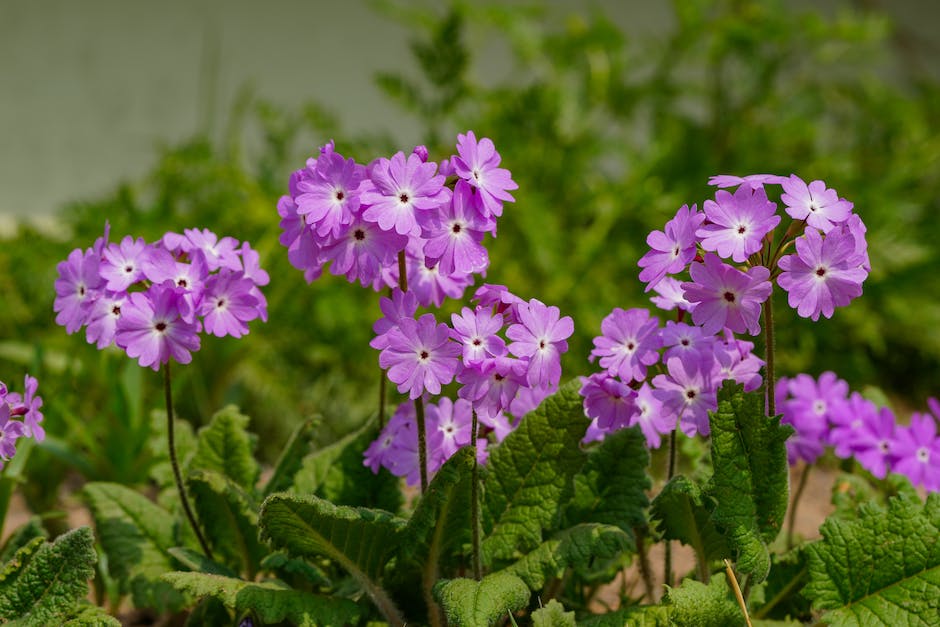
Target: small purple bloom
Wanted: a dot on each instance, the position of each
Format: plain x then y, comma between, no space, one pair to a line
420,356
448,429
361,251
819,206
628,344
156,325
492,384
400,188
228,304
219,253
690,344
687,394
10,432
400,305
121,266
329,199
477,164
672,250
916,452
540,336
727,297
608,400
32,404
477,332
736,225
499,296
755,181
670,295
653,421
454,235
102,320
874,442
846,419
76,288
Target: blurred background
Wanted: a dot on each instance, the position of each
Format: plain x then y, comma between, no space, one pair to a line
609,114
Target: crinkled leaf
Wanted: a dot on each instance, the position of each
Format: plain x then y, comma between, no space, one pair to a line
694,604
783,590
471,603
750,483
358,539
553,615
272,602
225,446
611,487
288,568
88,615
682,512
576,546
136,535
42,585
197,562
23,535
881,569
634,616
336,473
229,519
850,491
530,475
291,458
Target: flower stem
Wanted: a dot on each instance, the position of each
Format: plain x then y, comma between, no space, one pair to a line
402,272
422,443
796,501
770,379
475,501
639,532
171,445
670,472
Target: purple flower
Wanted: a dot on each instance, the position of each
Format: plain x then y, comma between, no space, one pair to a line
454,235
687,394
809,410
492,384
629,343
448,428
400,188
737,224
228,304
499,295
734,360
726,297
10,431
477,164
400,305
874,443
540,336
76,287
161,266
672,250
755,181
219,253
607,400
846,419
420,356
32,404
690,344
823,275
156,325
102,320
650,416
122,263
670,295
477,332
330,199
820,207
916,452
361,251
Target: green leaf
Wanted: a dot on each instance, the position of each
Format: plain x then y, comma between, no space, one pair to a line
881,569
695,604
682,512
44,581
136,535
290,459
225,446
471,603
358,539
337,474
162,471
272,602
199,563
576,546
750,483
783,590
553,615
611,487
229,519
23,535
288,568
530,475
634,616
89,615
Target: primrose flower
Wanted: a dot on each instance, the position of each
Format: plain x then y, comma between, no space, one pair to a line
726,297
156,325
687,395
672,250
608,400
454,235
400,188
420,356
78,283
13,406
820,206
122,262
736,225
629,343
540,336
477,332
477,164
916,451
329,199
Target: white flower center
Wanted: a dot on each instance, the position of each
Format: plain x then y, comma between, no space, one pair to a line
923,455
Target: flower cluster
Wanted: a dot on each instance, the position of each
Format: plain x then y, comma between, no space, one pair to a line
823,413
359,219
826,271
691,363
153,300
25,406
505,354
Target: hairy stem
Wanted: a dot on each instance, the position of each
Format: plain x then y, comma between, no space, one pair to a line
670,472
646,572
171,445
737,592
422,443
769,380
475,501
791,526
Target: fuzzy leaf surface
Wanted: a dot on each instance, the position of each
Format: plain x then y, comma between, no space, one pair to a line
136,535
226,447
553,615
575,546
336,473
271,602
750,483
229,519
89,615
531,475
23,535
881,569
43,585
471,603
694,604
681,510
611,487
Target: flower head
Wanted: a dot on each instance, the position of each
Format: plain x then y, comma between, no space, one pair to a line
727,297
420,356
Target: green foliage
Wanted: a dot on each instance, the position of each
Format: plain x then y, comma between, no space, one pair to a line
136,535
226,447
611,487
750,483
43,582
471,603
89,615
694,604
577,546
336,473
684,513
23,535
271,602
229,518
553,615
291,458
783,590
883,568
531,475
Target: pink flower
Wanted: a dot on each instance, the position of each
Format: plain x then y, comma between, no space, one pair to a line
819,206
540,336
400,188
737,224
156,325
420,356
672,250
727,297
478,165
